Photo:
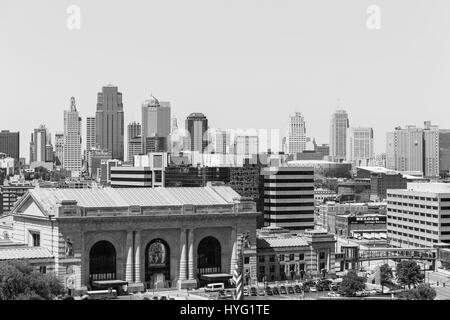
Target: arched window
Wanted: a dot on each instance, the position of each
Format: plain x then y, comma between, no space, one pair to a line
209,255
102,261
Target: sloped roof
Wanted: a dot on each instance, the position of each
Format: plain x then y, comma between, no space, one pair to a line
12,253
48,198
281,242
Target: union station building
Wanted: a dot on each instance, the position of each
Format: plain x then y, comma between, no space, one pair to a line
138,237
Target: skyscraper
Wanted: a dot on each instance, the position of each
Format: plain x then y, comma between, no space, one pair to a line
109,124
59,148
90,132
197,125
134,140
296,137
414,149
9,144
246,144
155,121
360,146
40,138
219,141
72,140
338,135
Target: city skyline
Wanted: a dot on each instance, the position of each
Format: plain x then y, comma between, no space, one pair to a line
313,76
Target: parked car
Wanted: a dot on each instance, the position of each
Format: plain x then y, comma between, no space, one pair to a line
229,294
253,291
306,289
283,290
297,289
245,292
163,298
275,291
313,289
222,295
290,290
269,291
333,294
261,292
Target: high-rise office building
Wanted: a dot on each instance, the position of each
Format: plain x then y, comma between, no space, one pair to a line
134,140
414,149
197,126
109,125
360,146
90,132
59,148
155,120
418,216
246,144
72,140
219,141
338,135
9,144
296,136
289,197
444,150
40,138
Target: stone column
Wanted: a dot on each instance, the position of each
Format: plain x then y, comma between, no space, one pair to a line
234,257
129,263
183,266
84,272
137,257
191,254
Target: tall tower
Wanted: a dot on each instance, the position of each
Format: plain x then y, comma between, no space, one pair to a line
59,147
72,140
155,122
197,125
40,138
338,135
109,125
360,146
134,140
90,132
296,137
9,144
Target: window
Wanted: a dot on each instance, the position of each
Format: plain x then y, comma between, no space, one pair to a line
281,257
43,269
322,255
302,266
291,256
272,269
301,256
322,266
261,258
262,270
272,258
35,239
246,260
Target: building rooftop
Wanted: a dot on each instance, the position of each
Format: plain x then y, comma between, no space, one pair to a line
275,242
13,253
429,187
49,198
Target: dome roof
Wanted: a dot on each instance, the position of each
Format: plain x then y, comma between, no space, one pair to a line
152,102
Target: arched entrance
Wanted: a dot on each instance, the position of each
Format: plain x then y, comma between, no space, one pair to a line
209,255
157,264
102,261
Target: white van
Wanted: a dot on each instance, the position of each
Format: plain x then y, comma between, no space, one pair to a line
213,287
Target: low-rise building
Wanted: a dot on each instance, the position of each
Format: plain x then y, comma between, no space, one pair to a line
283,255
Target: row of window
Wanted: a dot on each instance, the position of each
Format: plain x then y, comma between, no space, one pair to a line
412,220
400,196
412,228
290,257
406,204
412,236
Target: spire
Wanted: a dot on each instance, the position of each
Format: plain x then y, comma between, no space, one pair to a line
72,104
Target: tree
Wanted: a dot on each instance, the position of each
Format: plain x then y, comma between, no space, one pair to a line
408,273
18,281
351,283
386,275
422,292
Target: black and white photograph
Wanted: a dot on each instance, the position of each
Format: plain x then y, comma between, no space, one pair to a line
230,157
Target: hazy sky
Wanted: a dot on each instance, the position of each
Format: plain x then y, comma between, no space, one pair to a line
243,63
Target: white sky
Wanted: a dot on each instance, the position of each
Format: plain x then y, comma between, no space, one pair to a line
243,63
